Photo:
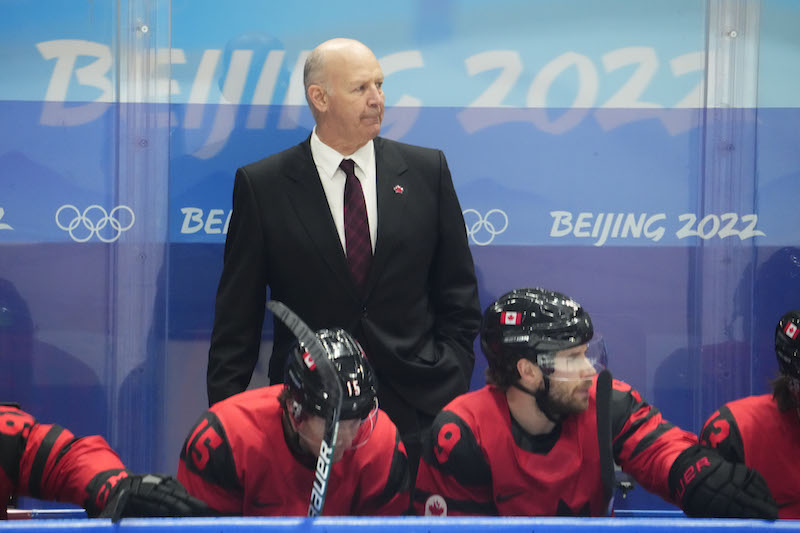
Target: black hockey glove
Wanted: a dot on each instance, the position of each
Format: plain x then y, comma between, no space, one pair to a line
152,495
709,486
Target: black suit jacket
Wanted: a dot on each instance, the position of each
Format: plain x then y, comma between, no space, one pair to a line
420,312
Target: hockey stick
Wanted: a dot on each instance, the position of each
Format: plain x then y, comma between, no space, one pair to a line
607,470
332,385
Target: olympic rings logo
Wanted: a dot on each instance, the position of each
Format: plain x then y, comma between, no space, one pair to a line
483,229
93,220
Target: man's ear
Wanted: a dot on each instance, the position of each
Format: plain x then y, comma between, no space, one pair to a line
530,374
318,98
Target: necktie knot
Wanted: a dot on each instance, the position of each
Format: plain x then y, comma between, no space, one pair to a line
349,166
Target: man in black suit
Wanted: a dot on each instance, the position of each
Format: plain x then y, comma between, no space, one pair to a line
415,311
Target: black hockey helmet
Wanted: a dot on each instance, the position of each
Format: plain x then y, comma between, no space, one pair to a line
787,344
530,323
358,382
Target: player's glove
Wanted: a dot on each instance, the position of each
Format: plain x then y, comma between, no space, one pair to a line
709,486
152,495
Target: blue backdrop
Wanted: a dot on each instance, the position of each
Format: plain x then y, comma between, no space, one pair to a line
588,141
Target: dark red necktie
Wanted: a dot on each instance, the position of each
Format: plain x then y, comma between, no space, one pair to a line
356,226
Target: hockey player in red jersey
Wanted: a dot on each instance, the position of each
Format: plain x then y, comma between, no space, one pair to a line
48,462
255,452
763,432
527,443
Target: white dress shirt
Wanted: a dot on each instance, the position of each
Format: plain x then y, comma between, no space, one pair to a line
332,177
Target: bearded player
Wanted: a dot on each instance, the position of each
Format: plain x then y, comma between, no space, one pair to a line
527,443
762,432
255,453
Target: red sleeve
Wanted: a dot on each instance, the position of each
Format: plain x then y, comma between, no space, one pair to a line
15,426
645,444
47,462
454,478
207,468
385,484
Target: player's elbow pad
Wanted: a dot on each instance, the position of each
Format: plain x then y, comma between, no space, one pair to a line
706,485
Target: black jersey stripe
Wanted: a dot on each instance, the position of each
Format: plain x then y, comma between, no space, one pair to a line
399,479
632,429
650,438
40,460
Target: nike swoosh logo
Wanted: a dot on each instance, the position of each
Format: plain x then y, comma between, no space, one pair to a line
505,497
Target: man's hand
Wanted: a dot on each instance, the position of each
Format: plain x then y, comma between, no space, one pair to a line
709,486
152,495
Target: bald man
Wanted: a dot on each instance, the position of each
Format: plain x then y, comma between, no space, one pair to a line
354,231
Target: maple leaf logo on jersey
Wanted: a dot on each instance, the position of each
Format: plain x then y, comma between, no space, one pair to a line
565,510
435,506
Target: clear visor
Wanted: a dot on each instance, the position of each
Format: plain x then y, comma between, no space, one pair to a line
353,432
581,362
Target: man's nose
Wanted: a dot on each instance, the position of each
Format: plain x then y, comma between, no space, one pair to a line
587,368
375,96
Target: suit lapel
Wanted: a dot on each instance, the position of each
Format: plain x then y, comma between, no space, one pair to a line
390,187
308,199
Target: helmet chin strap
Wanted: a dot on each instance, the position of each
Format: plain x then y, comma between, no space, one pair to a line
540,396
293,441
290,433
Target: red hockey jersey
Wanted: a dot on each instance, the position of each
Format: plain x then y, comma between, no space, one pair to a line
236,459
49,463
479,461
754,432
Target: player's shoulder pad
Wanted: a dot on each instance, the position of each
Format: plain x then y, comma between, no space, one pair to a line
625,401
451,447
721,431
721,414
208,453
